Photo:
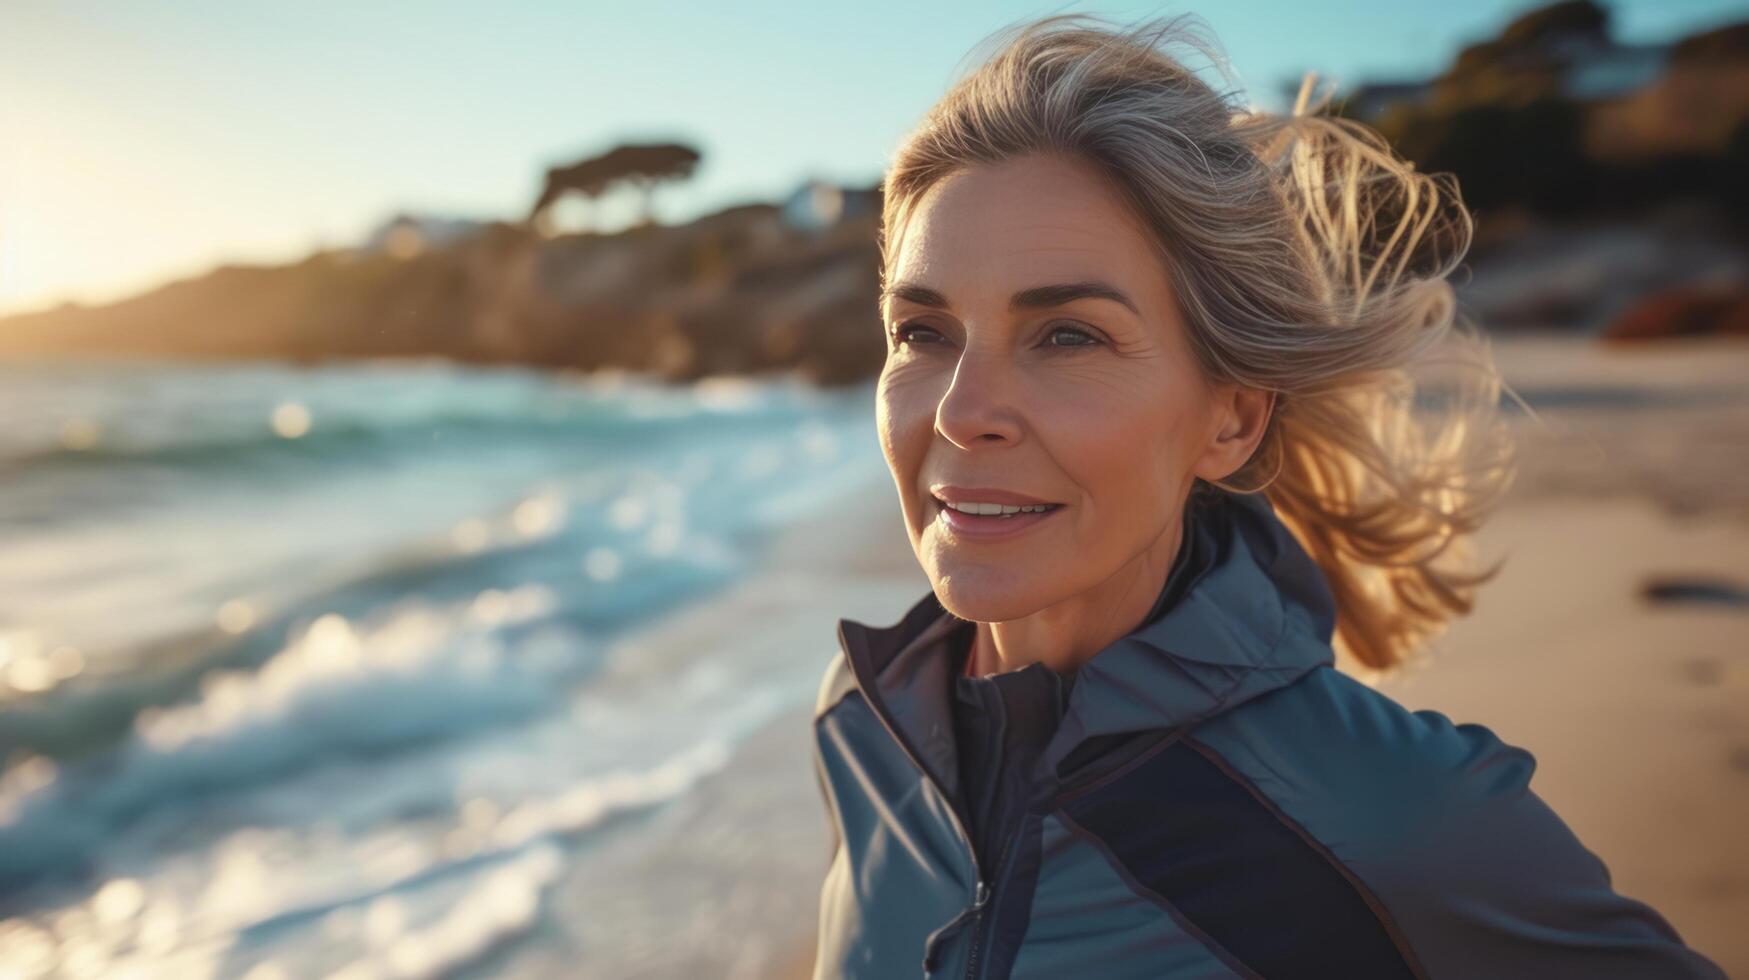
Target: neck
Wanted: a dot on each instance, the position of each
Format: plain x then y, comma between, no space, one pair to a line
1067,634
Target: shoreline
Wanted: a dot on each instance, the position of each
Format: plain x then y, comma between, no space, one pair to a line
752,918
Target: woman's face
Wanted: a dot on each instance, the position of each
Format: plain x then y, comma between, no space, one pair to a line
1035,347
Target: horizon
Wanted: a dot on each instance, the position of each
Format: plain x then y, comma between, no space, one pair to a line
160,143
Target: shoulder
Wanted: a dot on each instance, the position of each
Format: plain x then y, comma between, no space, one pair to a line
1436,823
1397,793
1329,740
1402,793
836,681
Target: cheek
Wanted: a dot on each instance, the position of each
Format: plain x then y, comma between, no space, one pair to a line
905,418
1122,444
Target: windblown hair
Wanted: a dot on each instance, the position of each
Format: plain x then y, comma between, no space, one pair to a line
1309,260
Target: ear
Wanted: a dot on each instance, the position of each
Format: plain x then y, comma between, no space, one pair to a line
1241,417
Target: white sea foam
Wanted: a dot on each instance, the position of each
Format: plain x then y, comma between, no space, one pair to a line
473,888
503,905
420,672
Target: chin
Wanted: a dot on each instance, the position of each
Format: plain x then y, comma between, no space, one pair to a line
976,594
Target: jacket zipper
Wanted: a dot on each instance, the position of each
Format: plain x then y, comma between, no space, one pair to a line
998,874
982,922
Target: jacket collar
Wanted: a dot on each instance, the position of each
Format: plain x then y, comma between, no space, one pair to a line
1258,616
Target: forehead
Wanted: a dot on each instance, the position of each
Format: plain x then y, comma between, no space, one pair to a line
1024,222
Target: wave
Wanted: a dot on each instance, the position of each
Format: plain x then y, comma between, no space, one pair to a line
483,889
85,717
337,689
350,437
193,440
507,863
504,906
497,910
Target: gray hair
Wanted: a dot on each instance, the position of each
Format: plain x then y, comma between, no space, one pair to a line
1308,259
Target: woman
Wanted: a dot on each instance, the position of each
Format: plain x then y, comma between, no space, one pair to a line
1146,404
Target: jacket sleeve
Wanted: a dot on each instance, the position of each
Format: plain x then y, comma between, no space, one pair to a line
1485,880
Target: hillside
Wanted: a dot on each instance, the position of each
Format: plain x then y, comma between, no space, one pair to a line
739,291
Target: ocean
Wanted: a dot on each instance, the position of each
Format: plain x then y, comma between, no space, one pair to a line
304,671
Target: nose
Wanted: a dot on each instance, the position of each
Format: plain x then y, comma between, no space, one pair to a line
981,404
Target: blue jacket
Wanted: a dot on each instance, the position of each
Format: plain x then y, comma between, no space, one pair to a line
1259,813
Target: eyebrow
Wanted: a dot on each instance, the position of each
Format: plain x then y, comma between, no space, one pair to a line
1038,297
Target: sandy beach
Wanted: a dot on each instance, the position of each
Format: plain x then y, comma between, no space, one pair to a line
1638,713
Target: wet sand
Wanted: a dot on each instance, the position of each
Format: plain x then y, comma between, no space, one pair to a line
1637,712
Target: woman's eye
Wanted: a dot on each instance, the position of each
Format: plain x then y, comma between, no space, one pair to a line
1087,339
903,332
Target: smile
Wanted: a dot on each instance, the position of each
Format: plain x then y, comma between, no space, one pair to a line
985,521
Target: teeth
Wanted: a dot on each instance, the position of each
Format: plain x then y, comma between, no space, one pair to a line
991,510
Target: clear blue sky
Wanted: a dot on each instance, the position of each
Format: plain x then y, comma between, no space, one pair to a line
141,141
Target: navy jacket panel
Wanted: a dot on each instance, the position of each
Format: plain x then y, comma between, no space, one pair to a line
1087,901
1439,827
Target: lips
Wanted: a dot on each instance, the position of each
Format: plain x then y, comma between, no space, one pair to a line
959,525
